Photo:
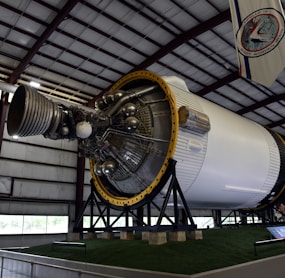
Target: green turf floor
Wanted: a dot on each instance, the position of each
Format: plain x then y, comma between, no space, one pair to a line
219,248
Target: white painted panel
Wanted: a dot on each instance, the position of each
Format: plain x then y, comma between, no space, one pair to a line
33,153
36,171
43,190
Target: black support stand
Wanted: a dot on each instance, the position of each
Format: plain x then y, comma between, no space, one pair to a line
175,224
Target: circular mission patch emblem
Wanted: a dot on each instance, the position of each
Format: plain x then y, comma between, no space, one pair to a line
260,32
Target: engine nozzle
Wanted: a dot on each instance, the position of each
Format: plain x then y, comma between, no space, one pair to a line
31,113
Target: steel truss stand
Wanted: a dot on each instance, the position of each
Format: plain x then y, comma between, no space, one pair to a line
110,216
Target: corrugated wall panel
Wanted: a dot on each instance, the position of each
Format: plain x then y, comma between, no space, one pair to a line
21,169
15,150
41,141
31,208
48,190
42,173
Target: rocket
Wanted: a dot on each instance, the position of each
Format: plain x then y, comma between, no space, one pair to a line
223,160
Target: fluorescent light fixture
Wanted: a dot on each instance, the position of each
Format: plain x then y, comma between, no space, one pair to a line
35,84
15,137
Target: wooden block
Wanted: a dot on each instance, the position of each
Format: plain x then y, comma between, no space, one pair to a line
73,236
107,235
157,238
145,235
126,235
196,235
90,235
177,236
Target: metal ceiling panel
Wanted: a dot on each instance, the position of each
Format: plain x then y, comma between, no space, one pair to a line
268,113
40,11
72,28
20,38
12,50
8,16
232,94
220,5
59,4
7,61
223,101
51,50
78,49
277,106
202,10
60,39
257,118
30,26
246,87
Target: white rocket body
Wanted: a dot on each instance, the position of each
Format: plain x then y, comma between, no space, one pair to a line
234,165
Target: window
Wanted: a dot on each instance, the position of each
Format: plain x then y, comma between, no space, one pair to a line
201,222
33,224
119,223
204,222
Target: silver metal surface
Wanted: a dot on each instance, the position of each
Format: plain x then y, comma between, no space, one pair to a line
30,113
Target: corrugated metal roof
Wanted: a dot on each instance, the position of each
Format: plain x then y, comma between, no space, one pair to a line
76,49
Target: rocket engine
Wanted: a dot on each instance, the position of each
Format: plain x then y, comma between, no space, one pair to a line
224,161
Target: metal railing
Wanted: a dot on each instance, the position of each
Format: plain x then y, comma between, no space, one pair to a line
14,267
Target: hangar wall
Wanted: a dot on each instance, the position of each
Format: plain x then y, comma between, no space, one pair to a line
38,177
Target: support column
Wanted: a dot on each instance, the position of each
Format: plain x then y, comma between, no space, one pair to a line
3,111
79,189
217,215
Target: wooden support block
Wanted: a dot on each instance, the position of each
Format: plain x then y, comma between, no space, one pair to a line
107,235
177,236
157,238
126,235
73,236
196,235
145,235
90,235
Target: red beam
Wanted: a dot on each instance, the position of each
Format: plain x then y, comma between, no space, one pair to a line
3,111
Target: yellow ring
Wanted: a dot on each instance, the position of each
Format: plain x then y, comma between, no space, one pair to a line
123,201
